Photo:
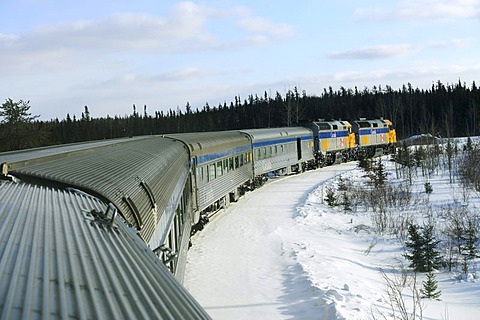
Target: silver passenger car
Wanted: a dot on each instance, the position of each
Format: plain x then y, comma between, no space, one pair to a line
146,179
66,254
222,164
288,148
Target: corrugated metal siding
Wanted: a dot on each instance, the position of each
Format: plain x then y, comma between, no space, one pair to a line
57,262
126,174
221,186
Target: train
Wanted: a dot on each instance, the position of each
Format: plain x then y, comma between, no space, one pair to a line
165,188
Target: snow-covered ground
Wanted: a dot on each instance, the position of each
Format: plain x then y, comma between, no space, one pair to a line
281,252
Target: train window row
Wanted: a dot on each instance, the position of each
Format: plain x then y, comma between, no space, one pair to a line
267,152
217,169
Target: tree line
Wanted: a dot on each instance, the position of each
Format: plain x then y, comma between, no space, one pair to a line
443,110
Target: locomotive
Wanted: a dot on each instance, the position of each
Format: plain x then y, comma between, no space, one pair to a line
165,188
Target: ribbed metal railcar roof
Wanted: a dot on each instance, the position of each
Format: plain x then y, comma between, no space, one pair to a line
126,173
277,133
57,262
37,153
201,143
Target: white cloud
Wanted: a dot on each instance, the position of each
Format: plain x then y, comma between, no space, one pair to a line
186,28
422,10
375,52
395,50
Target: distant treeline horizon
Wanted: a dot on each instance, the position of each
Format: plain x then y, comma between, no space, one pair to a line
451,110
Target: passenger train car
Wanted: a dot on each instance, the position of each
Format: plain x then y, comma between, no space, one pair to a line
162,189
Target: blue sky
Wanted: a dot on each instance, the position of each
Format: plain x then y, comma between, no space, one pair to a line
62,55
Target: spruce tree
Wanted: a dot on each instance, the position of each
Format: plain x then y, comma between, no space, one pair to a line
414,248
430,288
471,241
379,174
330,198
422,249
430,253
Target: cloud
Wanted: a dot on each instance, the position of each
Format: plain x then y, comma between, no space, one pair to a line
375,52
395,50
422,10
406,74
186,28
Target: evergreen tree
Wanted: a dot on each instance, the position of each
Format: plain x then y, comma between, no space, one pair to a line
422,248
379,174
471,240
469,145
430,253
414,245
365,163
430,288
17,128
347,204
330,198
428,188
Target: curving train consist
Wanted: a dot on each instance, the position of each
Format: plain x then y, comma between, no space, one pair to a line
165,188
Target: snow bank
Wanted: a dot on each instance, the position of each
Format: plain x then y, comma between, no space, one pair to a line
282,253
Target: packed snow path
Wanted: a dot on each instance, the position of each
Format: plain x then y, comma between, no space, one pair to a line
238,267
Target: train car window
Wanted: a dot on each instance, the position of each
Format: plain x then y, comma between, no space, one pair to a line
276,149
335,127
213,171
236,162
202,177
247,160
281,148
271,151
375,125
258,154
219,169
241,160
230,164
265,151
225,165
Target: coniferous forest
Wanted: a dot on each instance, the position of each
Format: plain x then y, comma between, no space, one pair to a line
450,110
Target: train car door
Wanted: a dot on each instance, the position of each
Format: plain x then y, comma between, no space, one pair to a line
299,149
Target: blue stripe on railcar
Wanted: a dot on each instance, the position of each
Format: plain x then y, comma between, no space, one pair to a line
221,154
373,131
279,141
332,134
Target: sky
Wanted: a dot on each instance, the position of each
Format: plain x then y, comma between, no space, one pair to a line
109,55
